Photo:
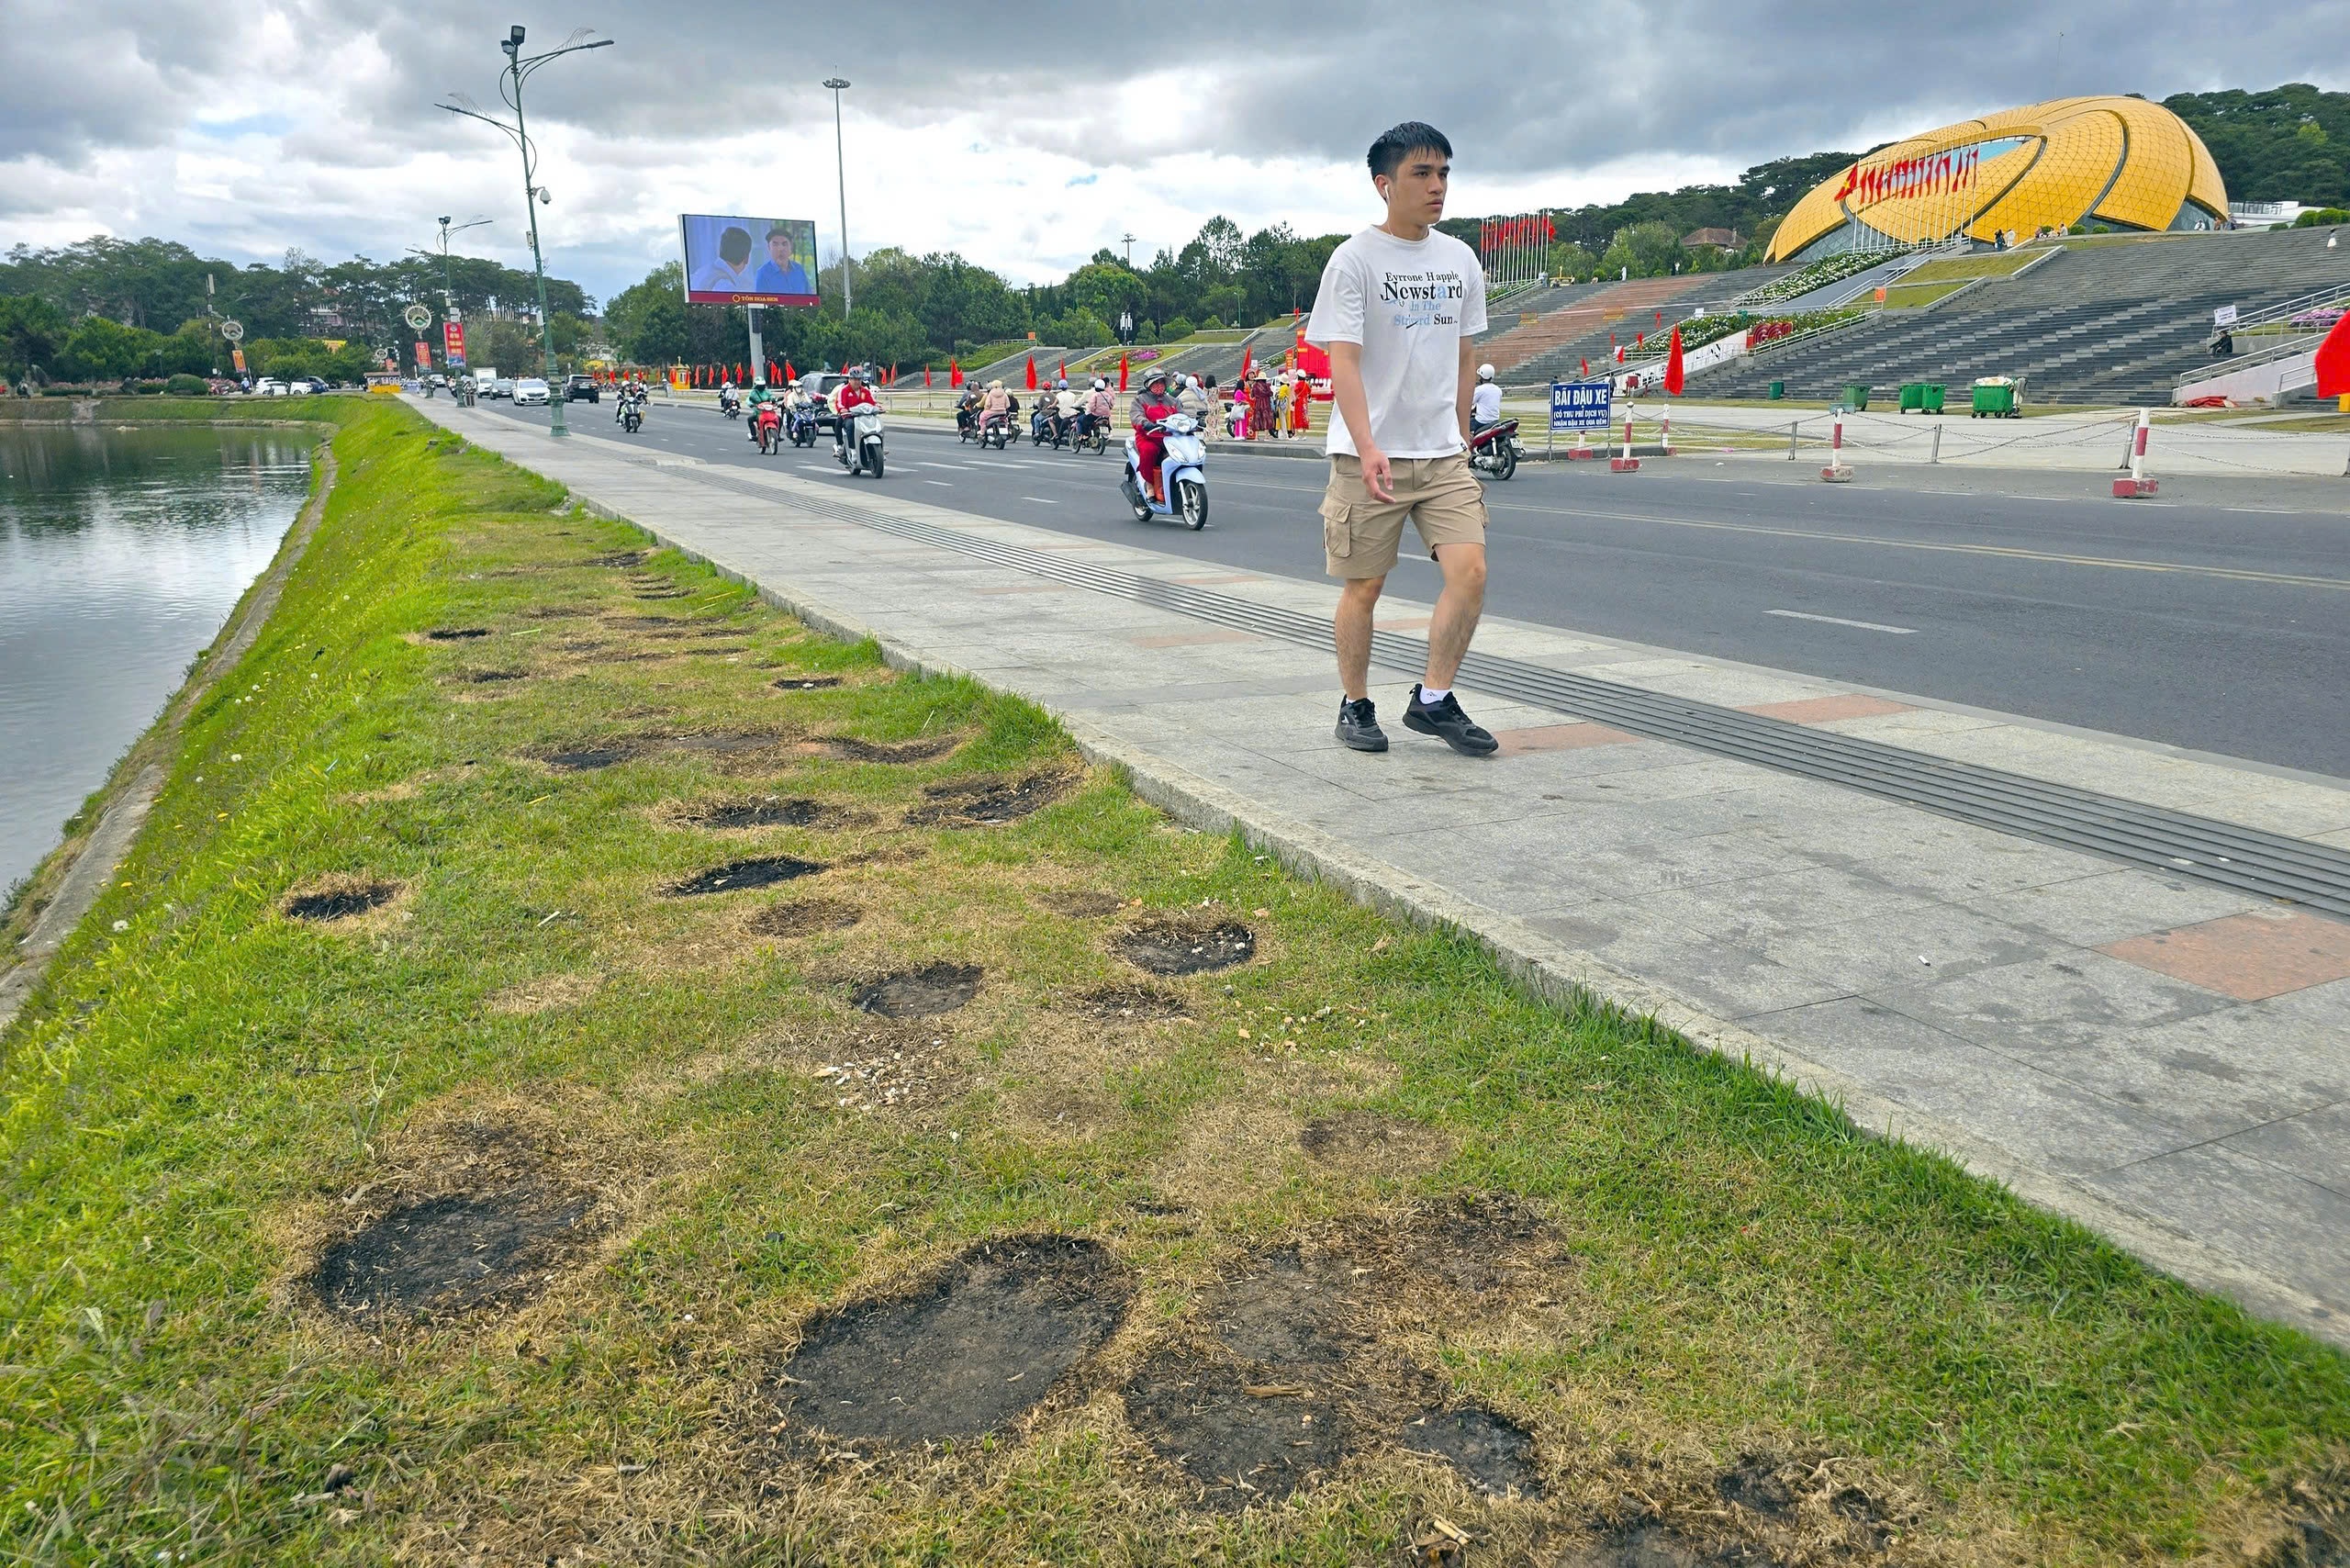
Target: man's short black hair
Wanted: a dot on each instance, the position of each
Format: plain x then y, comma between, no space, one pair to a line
1389,151
736,245
783,230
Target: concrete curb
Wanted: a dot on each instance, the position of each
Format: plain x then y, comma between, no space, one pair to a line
1568,976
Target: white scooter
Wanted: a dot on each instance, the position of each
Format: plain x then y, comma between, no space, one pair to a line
861,448
1183,475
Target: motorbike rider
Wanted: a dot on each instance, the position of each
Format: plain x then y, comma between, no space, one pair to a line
1152,404
1485,402
1098,407
1067,405
728,398
854,394
633,395
966,408
996,404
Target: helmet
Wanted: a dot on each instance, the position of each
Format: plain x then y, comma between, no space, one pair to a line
1485,373
1100,384
856,373
1061,384
1155,377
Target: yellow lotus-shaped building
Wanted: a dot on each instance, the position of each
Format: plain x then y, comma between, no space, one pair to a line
2123,162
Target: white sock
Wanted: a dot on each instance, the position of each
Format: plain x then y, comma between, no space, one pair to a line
1430,696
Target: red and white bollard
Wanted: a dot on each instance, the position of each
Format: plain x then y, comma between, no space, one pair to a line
2137,485
1581,452
1627,463
1838,471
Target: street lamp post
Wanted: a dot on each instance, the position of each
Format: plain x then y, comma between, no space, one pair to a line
839,167
518,67
448,289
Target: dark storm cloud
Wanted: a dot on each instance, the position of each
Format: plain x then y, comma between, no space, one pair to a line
1522,88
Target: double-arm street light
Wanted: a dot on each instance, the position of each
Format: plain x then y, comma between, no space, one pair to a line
518,67
840,166
448,290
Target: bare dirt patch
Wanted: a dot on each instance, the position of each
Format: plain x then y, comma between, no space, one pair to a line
882,1068
805,918
966,1352
988,801
1185,947
1368,1144
620,558
338,896
450,1254
1132,1004
1080,904
738,876
919,993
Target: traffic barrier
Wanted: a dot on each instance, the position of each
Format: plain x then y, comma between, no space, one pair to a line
1581,451
1838,471
1627,463
2137,484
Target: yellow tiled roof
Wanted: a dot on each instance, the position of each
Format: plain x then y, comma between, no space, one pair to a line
2119,159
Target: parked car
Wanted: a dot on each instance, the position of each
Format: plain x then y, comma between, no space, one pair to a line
222,387
577,388
502,388
269,386
299,385
529,391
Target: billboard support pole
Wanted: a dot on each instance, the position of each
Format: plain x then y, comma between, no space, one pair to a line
758,353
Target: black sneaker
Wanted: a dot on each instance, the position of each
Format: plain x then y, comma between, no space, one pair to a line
1359,725
1450,724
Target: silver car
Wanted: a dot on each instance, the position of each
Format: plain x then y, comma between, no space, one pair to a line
530,389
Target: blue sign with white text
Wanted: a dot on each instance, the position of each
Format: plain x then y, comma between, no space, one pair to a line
1581,404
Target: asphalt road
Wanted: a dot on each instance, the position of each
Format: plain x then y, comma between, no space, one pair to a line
2217,627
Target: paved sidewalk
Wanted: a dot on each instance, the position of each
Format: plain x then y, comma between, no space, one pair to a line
2162,1058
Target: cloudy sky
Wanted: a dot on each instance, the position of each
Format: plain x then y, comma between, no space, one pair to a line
1025,136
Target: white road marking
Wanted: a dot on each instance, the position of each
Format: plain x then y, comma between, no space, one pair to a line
1839,620
942,484
1040,501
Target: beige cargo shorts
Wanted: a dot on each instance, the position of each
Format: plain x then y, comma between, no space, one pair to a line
1360,532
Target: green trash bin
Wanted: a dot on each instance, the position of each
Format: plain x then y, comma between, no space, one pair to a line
1913,397
1935,394
1994,400
1778,390
1856,397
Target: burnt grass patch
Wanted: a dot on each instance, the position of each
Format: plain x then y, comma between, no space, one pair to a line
773,811
987,802
1185,946
455,634
807,683
1240,1440
1492,1454
340,900
1754,1483
966,1352
491,677
622,558
927,748
919,993
1132,1004
586,759
725,742
451,1254
805,918
739,876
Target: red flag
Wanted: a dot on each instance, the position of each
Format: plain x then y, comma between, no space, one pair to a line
2333,361
1031,373
1852,182
1122,373
1063,373
1640,340
1586,369
1248,360
1660,318
925,379
1673,374
790,373
954,370
742,373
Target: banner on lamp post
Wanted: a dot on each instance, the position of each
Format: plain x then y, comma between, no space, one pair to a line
452,341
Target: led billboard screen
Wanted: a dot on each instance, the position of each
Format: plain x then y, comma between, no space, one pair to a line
749,261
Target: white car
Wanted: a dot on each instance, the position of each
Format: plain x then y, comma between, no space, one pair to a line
530,389
269,386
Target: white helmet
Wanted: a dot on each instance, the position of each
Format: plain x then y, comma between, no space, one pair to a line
1485,373
1100,384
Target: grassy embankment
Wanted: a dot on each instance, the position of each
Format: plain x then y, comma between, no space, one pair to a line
483,1218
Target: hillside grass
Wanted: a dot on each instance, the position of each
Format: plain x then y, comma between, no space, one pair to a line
1719,1287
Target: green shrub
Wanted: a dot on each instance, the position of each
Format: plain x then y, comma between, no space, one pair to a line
187,385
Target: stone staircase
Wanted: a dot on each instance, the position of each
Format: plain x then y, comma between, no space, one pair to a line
2110,322
1564,334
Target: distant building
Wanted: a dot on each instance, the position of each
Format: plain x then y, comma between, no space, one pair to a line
2122,162
2261,214
1720,239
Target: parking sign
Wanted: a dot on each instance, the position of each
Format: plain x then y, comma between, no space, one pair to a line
1581,404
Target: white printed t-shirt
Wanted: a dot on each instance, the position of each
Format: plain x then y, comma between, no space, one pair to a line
1408,303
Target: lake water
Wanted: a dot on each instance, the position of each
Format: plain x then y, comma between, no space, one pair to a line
121,553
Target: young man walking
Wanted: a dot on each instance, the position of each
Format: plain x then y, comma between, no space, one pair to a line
1397,308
